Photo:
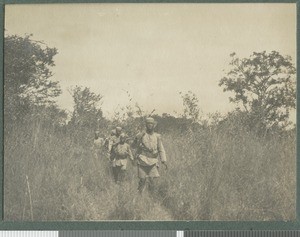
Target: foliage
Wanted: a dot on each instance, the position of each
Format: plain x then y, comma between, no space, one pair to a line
218,170
87,114
27,75
264,84
86,107
223,173
191,108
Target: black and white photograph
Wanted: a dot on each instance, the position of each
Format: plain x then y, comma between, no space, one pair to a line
150,112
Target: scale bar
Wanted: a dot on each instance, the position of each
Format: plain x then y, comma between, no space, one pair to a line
154,233
29,233
120,233
244,233
179,233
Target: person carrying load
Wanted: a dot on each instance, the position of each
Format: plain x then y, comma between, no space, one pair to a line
119,155
149,150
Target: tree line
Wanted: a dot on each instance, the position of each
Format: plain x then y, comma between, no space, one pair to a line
263,87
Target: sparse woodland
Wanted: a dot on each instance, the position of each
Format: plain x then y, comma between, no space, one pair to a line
238,166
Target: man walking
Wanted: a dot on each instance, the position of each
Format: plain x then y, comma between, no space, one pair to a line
119,154
98,145
113,139
109,141
149,150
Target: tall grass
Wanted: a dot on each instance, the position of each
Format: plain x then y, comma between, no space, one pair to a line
230,177
219,173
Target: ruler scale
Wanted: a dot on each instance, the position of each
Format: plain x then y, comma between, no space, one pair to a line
125,233
154,233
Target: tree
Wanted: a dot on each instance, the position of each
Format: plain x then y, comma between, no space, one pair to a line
191,108
264,86
87,114
27,75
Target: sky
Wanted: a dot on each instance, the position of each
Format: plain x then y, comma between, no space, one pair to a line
153,51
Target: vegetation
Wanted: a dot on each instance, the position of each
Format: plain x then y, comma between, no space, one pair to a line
223,168
265,85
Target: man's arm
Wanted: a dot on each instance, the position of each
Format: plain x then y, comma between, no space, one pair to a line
137,141
112,155
129,153
161,149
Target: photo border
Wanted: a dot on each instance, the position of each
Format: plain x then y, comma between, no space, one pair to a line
144,225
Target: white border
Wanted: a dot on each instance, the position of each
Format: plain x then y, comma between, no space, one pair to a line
179,233
28,233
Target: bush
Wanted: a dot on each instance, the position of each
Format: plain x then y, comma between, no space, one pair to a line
221,172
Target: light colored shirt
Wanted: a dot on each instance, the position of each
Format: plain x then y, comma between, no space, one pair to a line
120,154
122,151
111,141
98,143
149,148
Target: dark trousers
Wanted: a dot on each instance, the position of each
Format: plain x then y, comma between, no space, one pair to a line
118,174
151,184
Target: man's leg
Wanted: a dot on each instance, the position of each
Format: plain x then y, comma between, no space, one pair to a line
119,173
115,173
99,154
142,184
95,160
142,174
122,173
152,184
153,176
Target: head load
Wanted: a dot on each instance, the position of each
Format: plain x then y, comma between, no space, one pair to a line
150,120
118,131
122,135
113,132
150,123
97,134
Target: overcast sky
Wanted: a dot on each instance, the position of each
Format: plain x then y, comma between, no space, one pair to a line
153,51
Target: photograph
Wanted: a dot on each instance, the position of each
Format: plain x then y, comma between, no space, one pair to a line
150,112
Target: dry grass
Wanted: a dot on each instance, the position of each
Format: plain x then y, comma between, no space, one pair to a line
214,174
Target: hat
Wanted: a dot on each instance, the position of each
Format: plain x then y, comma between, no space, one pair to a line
118,129
150,120
122,135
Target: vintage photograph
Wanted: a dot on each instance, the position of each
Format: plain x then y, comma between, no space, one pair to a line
150,112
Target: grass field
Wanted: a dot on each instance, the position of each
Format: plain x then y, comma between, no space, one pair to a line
224,173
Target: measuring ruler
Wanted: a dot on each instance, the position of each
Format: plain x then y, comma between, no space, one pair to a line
154,233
